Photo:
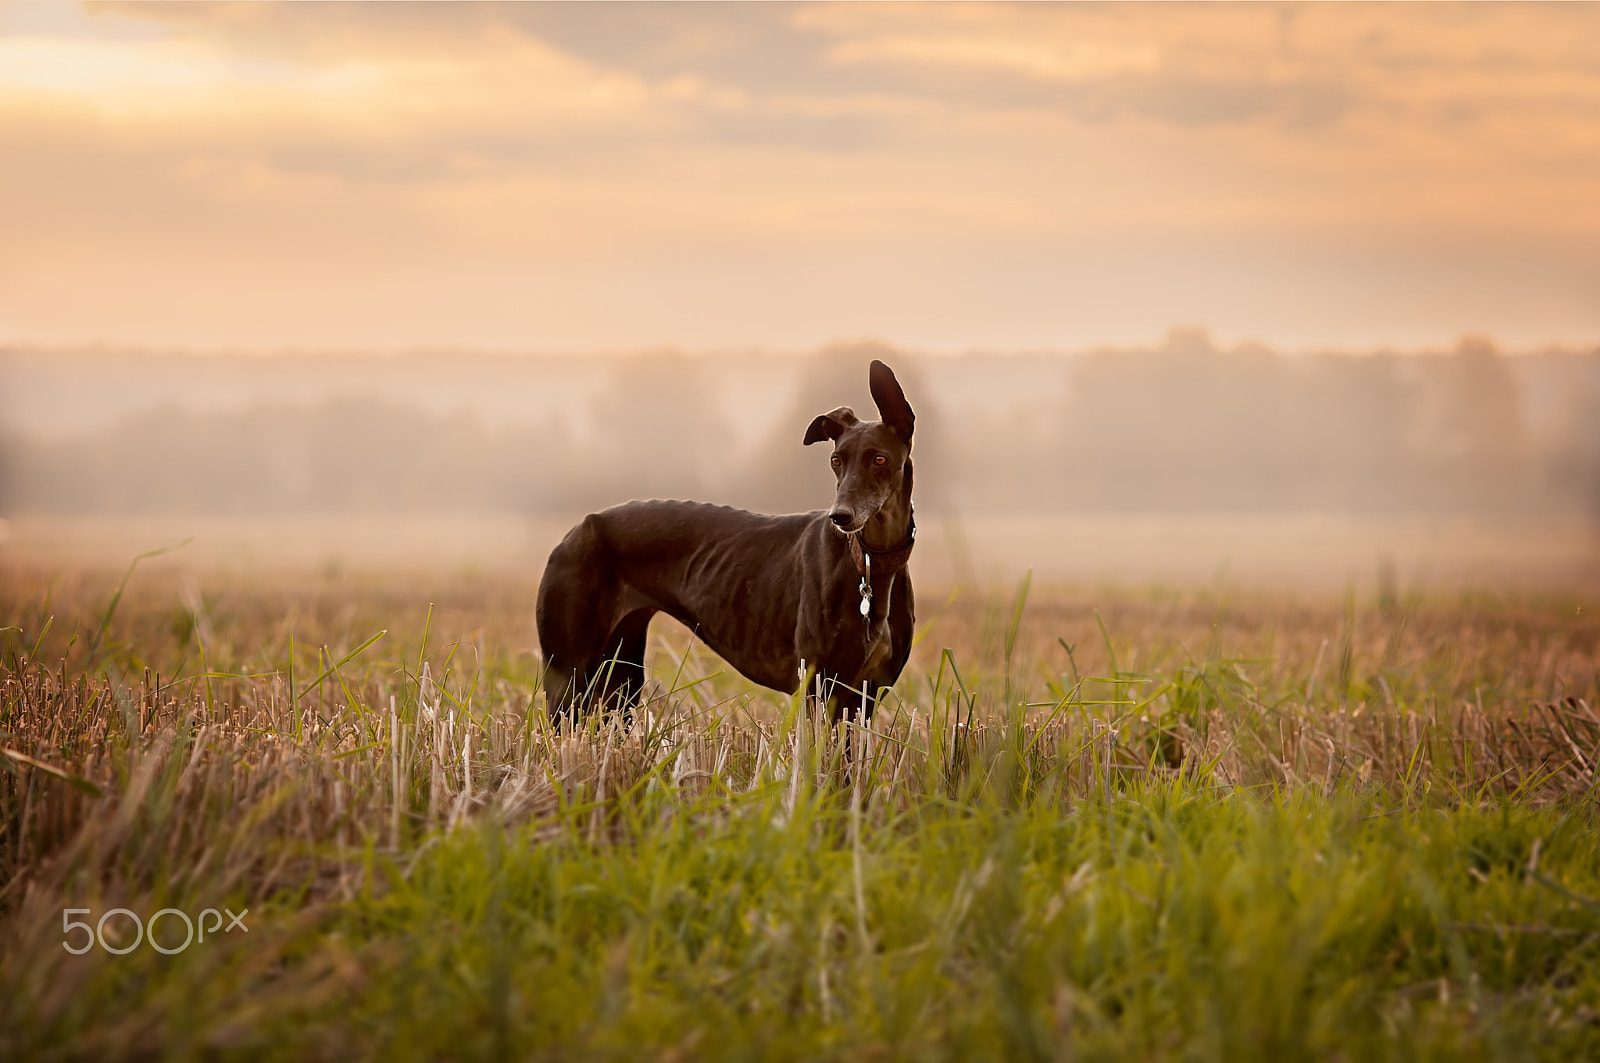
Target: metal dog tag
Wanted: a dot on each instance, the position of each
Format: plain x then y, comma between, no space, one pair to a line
866,590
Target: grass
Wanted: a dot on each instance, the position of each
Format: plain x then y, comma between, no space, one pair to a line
1151,825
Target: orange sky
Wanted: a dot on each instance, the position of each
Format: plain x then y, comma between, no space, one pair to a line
950,177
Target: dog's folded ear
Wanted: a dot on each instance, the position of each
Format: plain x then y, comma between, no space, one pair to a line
892,405
831,425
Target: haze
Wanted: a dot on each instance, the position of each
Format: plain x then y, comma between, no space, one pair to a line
1175,462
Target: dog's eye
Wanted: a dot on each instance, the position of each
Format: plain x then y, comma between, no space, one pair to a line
836,461
880,460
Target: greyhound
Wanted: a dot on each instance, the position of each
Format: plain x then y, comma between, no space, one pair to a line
778,597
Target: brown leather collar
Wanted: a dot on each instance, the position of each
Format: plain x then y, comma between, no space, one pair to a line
891,560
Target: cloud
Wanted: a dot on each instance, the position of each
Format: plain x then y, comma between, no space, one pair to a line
1068,61
1298,65
952,163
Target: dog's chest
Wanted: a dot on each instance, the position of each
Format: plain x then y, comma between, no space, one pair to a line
879,643
877,634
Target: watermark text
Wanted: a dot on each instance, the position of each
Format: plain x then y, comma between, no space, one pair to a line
143,930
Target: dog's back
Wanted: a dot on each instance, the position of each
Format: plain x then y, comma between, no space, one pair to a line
721,572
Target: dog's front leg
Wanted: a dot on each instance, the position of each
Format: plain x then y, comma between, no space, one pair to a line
839,699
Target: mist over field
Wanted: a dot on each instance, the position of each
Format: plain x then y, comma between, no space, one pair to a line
1176,461
1179,427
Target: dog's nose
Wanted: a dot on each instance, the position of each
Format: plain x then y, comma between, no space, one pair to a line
842,518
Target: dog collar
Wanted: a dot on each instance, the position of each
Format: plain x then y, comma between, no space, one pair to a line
892,559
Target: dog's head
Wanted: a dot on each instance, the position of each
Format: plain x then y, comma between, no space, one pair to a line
871,459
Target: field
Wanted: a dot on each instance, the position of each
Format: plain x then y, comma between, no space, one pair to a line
1087,824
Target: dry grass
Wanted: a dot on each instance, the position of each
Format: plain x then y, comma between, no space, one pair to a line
1459,699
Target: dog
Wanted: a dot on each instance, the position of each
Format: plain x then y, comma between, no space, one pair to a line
825,593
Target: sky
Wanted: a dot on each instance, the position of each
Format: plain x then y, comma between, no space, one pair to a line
948,178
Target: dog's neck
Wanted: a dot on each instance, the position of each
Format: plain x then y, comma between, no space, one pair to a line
890,527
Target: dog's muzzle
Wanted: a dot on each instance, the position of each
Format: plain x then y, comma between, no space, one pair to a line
843,519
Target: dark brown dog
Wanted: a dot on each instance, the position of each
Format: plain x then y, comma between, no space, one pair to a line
825,591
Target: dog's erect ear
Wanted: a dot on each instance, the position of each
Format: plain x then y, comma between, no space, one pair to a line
892,404
831,425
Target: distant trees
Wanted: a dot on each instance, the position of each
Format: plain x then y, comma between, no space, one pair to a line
1189,427
1184,426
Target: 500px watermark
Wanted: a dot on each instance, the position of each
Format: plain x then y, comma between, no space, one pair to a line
97,933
